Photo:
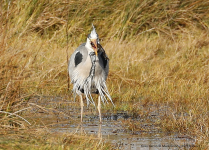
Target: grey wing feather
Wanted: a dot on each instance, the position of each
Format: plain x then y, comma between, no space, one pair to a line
78,57
104,60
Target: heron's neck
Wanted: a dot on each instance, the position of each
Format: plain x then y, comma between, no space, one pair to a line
88,46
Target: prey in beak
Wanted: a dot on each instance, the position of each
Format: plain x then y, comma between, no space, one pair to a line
94,45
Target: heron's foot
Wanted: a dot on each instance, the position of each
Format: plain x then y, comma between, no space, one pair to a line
82,131
99,135
100,122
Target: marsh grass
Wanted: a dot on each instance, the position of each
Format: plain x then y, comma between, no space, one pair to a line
158,54
43,139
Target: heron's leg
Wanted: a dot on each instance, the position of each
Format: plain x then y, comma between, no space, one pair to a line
99,108
99,131
82,105
81,125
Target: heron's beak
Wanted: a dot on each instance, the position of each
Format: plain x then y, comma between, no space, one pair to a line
95,45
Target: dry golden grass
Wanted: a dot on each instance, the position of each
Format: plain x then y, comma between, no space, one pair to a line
158,71
158,50
42,139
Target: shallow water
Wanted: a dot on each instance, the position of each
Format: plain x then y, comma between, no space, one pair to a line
112,129
113,132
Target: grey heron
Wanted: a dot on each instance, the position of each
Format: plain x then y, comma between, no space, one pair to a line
88,70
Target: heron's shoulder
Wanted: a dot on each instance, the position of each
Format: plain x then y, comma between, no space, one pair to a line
82,48
80,54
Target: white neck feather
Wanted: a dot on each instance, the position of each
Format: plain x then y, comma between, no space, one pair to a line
88,46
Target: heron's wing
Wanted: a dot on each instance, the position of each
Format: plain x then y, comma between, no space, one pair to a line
78,57
104,60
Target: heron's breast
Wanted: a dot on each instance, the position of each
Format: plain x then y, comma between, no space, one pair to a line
84,69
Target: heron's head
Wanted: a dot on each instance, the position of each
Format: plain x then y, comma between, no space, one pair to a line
93,40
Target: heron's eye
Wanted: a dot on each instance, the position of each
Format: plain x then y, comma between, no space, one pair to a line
92,44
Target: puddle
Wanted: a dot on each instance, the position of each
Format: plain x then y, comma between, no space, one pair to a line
113,132
113,129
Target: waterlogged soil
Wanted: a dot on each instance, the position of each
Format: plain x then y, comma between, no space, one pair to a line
123,129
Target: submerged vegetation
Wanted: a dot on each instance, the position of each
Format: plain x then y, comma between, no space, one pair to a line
158,50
